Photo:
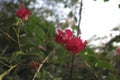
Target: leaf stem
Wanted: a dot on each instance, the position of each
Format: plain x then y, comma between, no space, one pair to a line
18,36
7,72
18,32
4,64
71,67
80,16
6,34
41,64
78,32
92,71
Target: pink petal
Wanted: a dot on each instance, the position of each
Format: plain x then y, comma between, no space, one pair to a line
69,32
59,31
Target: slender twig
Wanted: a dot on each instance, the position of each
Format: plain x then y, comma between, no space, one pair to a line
18,36
41,64
7,72
4,64
14,30
90,68
6,34
17,31
78,32
80,16
71,67
4,50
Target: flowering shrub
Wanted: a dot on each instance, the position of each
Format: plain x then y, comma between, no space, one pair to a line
29,52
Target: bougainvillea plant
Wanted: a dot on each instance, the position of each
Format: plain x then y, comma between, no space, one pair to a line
72,43
31,49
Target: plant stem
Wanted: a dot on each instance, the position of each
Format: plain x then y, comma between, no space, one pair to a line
7,72
40,65
18,36
92,71
80,16
78,32
71,67
18,32
4,64
6,34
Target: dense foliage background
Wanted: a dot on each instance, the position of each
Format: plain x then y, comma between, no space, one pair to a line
38,47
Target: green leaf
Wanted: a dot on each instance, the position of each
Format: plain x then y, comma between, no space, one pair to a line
111,77
75,18
106,0
38,32
65,6
74,2
115,29
70,14
118,5
74,27
105,65
16,56
3,59
89,56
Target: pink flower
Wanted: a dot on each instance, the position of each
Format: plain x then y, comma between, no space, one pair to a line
118,50
23,13
63,36
75,45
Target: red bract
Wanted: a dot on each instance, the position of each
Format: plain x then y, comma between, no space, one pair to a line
34,64
63,36
75,45
118,50
23,13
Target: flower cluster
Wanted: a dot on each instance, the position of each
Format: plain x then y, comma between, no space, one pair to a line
72,44
63,37
23,13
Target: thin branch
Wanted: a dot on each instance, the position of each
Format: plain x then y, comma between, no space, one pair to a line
78,32
72,67
4,64
7,72
80,17
18,36
4,50
6,34
41,64
90,68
